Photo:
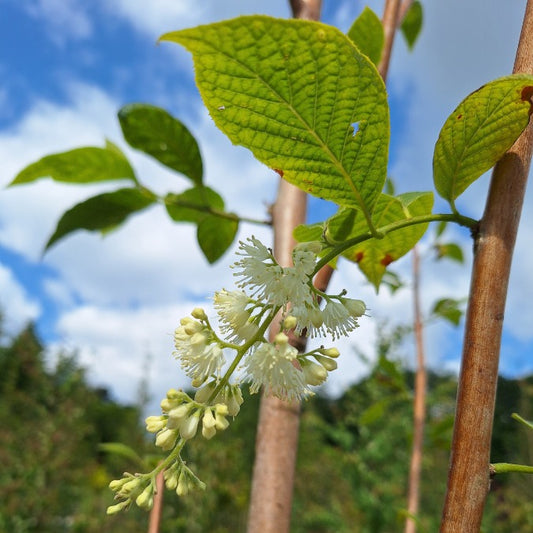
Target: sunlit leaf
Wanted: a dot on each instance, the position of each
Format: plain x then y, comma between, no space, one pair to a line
374,413
392,281
102,212
367,34
449,309
301,97
157,133
215,236
82,165
451,251
440,227
193,205
482,128
122,450
374,255
412,23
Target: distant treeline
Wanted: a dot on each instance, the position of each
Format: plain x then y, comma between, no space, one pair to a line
352,468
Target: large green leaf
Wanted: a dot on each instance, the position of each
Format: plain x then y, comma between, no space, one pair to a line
482,128
215,236
157,133
82,165
374,255
412,23
193,205
301,97
368,35
102,212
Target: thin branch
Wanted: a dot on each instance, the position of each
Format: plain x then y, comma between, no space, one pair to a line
306,9
391,17
155,513
419,407
468,479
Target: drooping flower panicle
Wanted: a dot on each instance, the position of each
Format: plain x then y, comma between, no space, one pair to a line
265,287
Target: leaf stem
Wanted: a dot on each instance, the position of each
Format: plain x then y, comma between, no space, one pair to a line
389,228
216,212
505,468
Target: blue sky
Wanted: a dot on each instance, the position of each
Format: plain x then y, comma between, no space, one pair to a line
67,66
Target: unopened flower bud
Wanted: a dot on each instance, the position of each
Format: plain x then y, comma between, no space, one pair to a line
145,500
208,420
326,362
199,313
356,308
117,484
171,477
208,432
314,374
166,439
281,338
220,421
330,352
114,509
176,415
155,423
289,322
131,487
234,401
203,394
189,426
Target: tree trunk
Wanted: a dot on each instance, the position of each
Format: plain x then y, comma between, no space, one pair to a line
468,479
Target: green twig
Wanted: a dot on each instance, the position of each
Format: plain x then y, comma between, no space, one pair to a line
448,217
505,468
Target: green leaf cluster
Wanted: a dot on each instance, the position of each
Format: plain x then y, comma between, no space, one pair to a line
308,102
163,137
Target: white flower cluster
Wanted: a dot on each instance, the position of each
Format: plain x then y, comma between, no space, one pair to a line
181,418
265,288
132,488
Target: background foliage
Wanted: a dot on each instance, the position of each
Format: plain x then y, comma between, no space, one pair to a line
353,456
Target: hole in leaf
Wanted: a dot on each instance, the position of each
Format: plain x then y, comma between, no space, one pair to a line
354,128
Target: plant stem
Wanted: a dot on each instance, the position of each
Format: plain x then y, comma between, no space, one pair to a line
505,468
391,17
155,513
419,407
468,479
395,226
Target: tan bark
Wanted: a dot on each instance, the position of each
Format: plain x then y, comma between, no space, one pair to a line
468,479
419,405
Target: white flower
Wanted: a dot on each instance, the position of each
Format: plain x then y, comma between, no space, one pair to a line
338,320
309,319
356,308
268,281
271,366
314,373
304,256
233,308
199,356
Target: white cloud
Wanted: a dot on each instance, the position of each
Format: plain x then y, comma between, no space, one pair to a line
17,307
137,282
113,343
28,213
158,16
